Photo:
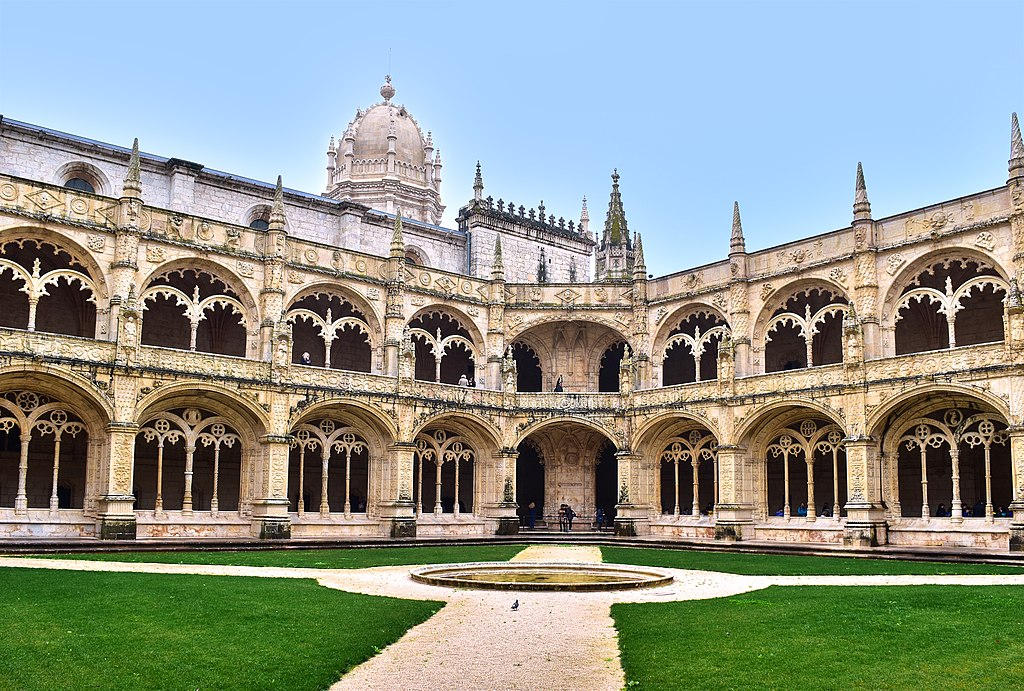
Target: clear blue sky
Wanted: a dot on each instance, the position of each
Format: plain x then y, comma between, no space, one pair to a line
697,104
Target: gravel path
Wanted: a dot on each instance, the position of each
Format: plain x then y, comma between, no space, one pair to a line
574,554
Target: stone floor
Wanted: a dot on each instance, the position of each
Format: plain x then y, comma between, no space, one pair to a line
552,640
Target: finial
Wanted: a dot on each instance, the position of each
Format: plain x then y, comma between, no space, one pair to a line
861,205
498,265
736,241
277,217
1016,150
437,157
478,184
616,230
639,266
386,90
397,242
133,178
615,176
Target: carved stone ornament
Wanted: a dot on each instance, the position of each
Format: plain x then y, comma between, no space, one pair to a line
986,241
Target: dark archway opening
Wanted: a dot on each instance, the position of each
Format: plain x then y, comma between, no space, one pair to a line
606,490
608,376
529,482
528,374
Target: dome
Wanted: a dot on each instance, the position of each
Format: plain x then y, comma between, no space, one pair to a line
371,134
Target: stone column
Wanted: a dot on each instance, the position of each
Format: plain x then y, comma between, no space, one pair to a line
1017,505
116,511
270,511
632,514
735,510
501,504
395,505
865,519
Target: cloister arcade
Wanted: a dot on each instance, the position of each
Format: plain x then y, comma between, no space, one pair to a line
584,356
445,348
805,330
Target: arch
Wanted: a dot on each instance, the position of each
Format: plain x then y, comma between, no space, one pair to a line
330,438
214,268
377,426
758,423
915,267
688,351
680,314
481,432
571,349
78,253
369,309
652,432
73,389
329,330
88,171
615,326
416,256
475,335
564,419
246,415
260,211
947,393
778,299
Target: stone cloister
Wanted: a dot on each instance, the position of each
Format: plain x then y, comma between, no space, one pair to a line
167,374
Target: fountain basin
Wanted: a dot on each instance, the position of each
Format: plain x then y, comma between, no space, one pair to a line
534,576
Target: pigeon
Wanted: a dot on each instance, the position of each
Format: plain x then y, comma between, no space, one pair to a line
515,606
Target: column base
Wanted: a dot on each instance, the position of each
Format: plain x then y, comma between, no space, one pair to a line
270,519
730,532
865,526
403,528
507,526
274,528
625,527
116,528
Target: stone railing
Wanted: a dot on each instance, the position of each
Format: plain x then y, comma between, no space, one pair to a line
205,364
58,346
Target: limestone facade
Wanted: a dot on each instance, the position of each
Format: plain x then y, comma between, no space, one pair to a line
168,370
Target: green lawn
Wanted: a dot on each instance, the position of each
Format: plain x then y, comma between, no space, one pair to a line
828,637
786,565
64,629
346,558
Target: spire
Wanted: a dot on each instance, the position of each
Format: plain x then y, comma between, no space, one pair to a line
861,205
132,179
639,266
584,218
1016,150
277,217
736,242
397,242
498,265
615,229
478,184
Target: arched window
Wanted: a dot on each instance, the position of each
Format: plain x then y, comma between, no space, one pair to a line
689,477
957,301
805,471
43,287
193,310
807,330
608,376
328,469
259,224
80,184
444,348
446,461
528,374
691,351
327,331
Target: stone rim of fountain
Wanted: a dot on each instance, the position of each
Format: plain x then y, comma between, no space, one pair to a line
620,577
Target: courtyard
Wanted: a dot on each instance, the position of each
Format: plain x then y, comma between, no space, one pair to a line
353,618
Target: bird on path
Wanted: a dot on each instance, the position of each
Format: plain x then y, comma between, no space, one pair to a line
515,606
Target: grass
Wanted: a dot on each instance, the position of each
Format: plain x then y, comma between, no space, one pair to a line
63,629
822,637
345,558
789,565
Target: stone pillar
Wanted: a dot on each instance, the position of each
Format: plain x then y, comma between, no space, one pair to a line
270,512
396,506
632,515
115,518
500,485
865,518
1017,505
735,509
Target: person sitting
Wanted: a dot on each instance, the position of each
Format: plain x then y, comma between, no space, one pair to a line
967,512
826,510
780,513
801,510
306,359
941,512
979,508
709,509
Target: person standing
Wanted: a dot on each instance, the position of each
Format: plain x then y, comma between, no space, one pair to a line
561,518
569,515
532,514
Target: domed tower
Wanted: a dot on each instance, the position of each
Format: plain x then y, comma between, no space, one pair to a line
384,161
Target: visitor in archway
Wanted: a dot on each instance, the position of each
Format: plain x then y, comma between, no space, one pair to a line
463,380
941,512
599,518
306,359
826,510
569,515
558,384
979,507
532,514
801,510
561,518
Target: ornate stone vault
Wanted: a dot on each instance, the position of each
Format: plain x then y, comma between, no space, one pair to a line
163,374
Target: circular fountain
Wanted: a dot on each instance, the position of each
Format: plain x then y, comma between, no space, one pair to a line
535,576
